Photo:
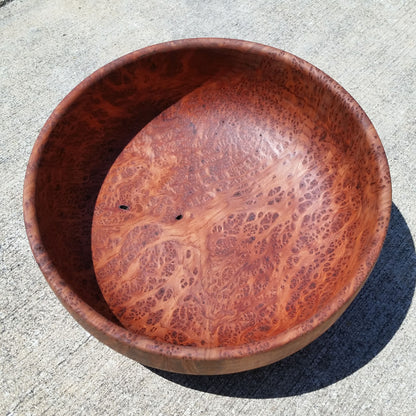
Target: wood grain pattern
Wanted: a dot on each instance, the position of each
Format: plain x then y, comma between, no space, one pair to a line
235,226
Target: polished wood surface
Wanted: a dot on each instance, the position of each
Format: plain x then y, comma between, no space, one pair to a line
207,206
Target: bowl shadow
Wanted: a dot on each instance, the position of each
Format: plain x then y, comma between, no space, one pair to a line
355,339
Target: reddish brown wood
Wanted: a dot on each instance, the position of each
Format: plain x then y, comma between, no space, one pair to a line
231,198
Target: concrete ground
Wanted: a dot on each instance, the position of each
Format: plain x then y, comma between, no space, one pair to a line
364,365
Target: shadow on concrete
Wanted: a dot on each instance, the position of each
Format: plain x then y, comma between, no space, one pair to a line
4,2
355,339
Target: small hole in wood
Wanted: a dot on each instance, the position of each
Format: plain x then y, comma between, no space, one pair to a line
125,207
179,217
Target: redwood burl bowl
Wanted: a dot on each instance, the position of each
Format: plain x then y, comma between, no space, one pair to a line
207,206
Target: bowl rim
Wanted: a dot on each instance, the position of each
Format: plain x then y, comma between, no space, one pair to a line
117,336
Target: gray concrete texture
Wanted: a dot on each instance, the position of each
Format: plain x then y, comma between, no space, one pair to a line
364,365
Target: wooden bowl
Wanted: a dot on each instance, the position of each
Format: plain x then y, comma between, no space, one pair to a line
207,206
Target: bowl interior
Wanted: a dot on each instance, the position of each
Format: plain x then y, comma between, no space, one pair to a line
226,195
